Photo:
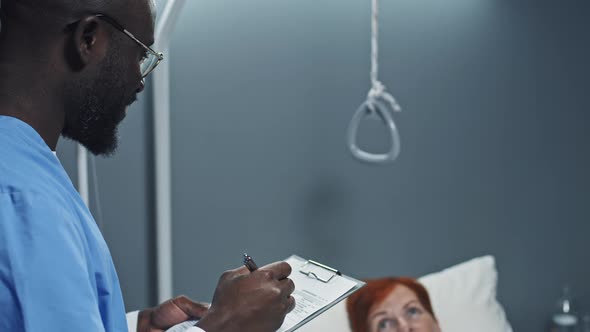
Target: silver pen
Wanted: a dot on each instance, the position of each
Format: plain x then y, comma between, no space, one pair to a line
249,263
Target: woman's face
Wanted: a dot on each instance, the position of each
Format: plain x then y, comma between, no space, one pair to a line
401,311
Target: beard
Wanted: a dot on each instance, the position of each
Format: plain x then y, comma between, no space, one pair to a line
97,105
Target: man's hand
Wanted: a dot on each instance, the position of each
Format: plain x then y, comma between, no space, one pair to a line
253,302
170,313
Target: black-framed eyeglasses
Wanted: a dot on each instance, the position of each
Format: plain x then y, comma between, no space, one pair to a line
150,60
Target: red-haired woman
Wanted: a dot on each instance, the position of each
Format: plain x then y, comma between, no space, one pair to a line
391,305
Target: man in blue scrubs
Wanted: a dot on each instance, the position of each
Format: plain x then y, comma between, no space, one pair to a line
71,68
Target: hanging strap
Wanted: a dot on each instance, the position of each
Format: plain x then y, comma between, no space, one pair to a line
379,102
377,88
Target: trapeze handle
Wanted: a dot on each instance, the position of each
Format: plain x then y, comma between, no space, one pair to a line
365,110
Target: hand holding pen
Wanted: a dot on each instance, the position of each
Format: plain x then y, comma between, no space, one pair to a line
251,298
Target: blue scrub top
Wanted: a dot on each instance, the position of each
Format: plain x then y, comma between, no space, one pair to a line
56,272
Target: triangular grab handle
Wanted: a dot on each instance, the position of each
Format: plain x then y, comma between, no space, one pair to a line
386,115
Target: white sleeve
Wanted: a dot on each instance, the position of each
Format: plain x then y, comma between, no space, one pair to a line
132,324
188,326
132,321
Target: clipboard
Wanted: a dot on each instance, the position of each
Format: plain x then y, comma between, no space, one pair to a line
311,276
308,275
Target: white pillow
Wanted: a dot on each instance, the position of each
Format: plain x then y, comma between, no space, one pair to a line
463,299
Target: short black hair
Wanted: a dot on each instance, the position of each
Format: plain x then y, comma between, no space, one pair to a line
46,14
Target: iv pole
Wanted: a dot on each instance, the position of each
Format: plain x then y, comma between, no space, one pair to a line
161,95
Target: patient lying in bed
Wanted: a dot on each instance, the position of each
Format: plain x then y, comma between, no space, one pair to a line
391,305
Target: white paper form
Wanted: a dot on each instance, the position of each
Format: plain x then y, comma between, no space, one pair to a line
312,295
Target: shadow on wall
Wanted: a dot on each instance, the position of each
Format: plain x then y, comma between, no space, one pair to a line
327,206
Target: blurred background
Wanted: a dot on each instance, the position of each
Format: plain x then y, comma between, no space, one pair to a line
494,160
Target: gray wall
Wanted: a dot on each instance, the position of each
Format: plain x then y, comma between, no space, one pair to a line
494,158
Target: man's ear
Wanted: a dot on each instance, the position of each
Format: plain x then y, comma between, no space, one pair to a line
89,43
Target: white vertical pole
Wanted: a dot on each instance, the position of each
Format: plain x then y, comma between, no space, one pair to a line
163,181
161,86
83,174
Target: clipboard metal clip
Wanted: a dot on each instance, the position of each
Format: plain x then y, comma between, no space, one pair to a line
312,269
